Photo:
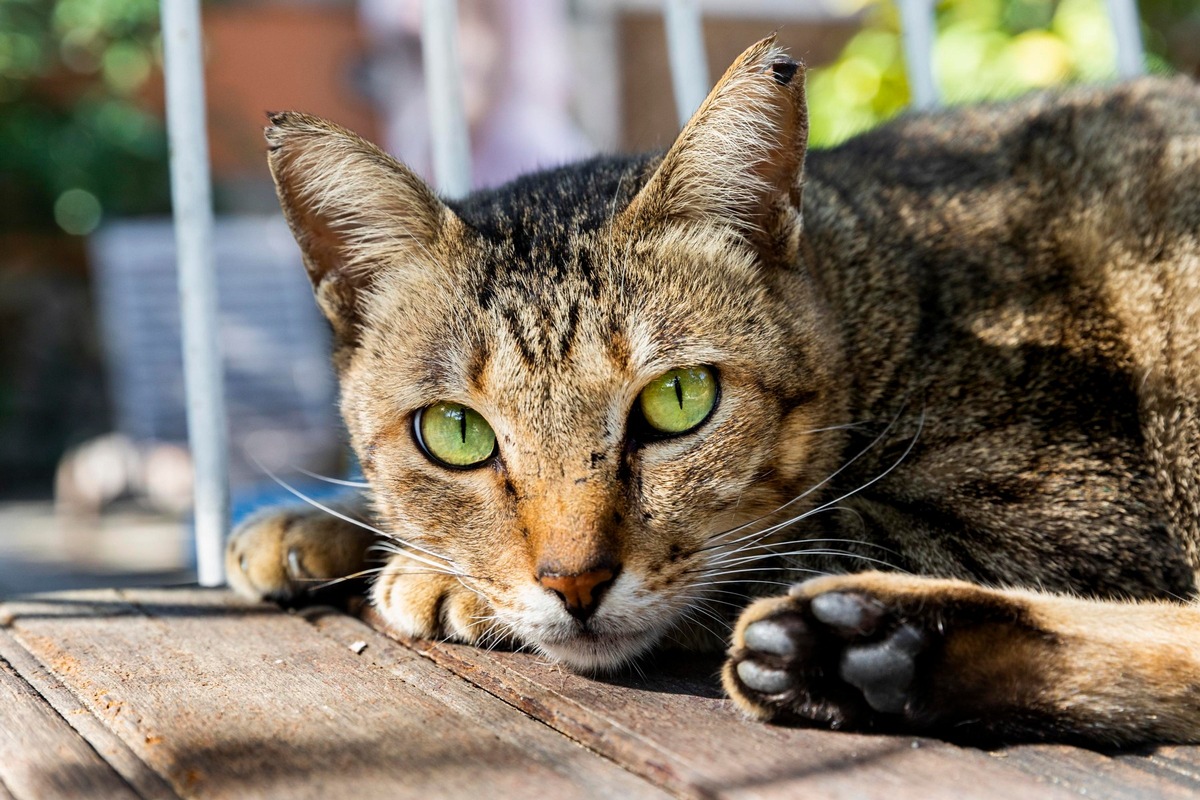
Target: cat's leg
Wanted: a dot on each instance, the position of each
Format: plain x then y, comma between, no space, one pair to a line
288,554
890,652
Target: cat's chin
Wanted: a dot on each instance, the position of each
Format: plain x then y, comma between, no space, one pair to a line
599,653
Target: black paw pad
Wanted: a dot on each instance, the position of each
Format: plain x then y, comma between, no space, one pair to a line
782,635
761,678
840,658
883,671
849,614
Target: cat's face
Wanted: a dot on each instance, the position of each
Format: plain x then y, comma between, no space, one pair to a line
572,392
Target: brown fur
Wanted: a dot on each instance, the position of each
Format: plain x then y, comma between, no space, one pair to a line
964,345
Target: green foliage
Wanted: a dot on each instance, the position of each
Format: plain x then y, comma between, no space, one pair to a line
76,140
985,49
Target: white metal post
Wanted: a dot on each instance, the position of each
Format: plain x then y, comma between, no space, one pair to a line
685,49
595,53
917,29
191,200
1127,30
443,87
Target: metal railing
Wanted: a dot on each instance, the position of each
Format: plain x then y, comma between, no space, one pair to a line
191,190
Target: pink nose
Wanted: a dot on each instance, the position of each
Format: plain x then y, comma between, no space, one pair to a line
581,593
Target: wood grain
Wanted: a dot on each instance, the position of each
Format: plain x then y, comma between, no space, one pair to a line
1178,764
1099,775
142,779
41,756
230,699
192,693
675,728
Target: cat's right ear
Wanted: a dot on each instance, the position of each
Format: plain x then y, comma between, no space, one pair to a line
356,212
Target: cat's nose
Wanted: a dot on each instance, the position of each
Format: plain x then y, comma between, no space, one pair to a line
580,593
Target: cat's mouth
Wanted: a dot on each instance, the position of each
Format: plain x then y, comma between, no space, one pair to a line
594,651
629,622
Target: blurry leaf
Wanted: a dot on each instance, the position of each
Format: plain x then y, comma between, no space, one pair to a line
986,49
74,141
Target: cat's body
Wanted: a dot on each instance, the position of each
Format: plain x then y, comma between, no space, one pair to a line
978,359
1026,278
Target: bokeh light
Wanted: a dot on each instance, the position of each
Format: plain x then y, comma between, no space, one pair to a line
985,49
77,211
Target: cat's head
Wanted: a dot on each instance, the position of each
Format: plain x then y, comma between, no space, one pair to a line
572,389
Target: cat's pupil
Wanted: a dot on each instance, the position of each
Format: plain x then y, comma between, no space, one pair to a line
678,391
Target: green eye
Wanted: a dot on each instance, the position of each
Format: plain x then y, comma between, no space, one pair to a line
454,434
679,400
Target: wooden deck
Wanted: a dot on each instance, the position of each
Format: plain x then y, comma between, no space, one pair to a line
194,693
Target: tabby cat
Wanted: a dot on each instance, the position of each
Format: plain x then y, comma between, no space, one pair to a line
605,407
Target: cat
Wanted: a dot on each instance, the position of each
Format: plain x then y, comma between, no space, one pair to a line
603,408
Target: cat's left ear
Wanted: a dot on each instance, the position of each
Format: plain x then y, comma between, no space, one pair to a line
739,161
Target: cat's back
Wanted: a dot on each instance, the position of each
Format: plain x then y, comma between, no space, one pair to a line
1080,141
1032,271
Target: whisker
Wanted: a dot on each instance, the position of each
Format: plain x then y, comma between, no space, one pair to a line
716,634
327,479
803,541
353,521
813,552
726,603
721,573
700,607
833,504
701,597
325,583
495,632
907,450
688,617
475,589
847,426
397,547
760,583
815,486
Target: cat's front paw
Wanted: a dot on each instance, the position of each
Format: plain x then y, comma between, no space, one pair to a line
886,652
426,602
286,555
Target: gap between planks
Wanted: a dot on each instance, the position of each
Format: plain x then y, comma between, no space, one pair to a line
143,780
41,755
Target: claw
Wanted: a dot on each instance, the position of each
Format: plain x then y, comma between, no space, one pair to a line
296,570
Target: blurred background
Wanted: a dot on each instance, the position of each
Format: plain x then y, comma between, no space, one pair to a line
94,470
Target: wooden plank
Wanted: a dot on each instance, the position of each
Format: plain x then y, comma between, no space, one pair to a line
231,699
674,727
1179,764
145,782
41,756
555,752
1098,775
